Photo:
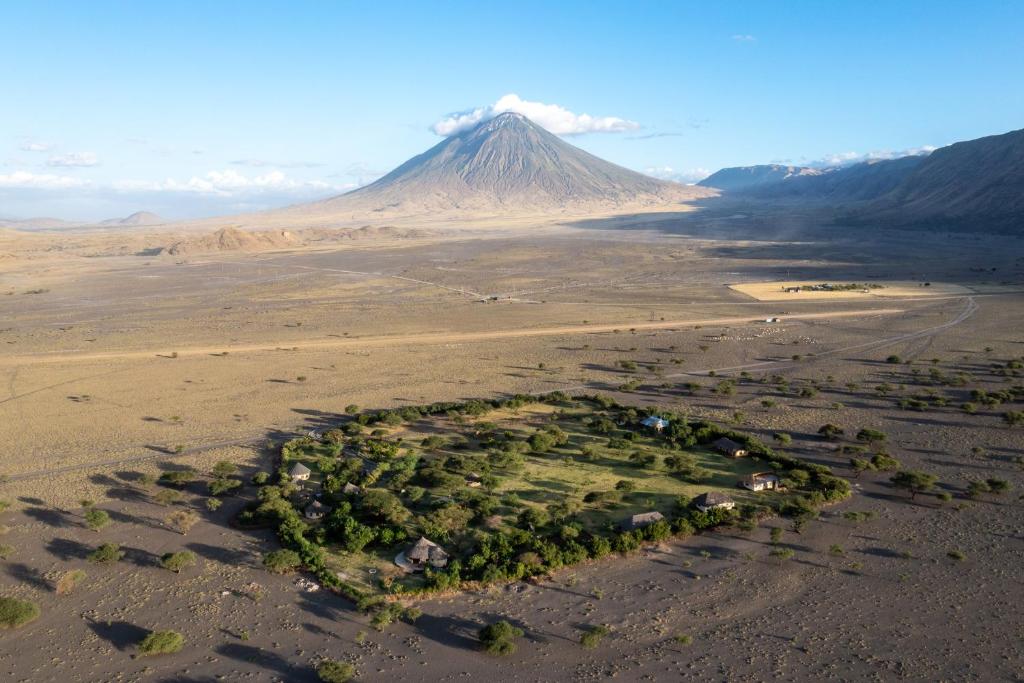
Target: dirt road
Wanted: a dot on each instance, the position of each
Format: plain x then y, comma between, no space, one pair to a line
430,338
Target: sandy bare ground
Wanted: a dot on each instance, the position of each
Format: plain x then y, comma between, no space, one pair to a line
429,338
891,604
775,291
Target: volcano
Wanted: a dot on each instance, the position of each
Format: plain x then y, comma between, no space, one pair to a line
506,164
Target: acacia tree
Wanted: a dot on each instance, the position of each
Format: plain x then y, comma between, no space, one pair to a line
914,482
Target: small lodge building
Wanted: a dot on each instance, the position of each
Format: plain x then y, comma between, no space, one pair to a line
474,480
299,472
641,520
729,447
350,489
654,422
713,500
424,553
316,510
761,481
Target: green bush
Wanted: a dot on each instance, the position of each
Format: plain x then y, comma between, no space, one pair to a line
161,643
333,671
282,561
175,562
96,519
15,613
499,638
593,636
107,553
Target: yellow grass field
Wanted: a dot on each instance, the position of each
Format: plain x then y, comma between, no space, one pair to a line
775,291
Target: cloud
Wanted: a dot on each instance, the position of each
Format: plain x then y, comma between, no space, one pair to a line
74,160
40,181
552,117
839,159
231,183
35,146
262,163
651,136
689,176
744,38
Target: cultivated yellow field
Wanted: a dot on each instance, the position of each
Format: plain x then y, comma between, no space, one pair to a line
776,291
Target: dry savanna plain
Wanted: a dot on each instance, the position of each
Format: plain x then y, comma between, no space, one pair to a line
116,367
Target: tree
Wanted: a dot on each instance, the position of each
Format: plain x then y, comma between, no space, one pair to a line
282,561
96,519
914,482
16,613
221,486
384,505
830,431
161,643
178,478
860,465
625,485
224,468
1014,418
175,562
593,636
884,463
871,435
783,438
108,553
182,520
499,638
333,671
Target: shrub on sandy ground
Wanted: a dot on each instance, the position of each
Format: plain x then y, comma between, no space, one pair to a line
333,671
96,519
594,635
68,581
182,520
499,638
282,561
15,613
106,554
161,643
6,551
178,561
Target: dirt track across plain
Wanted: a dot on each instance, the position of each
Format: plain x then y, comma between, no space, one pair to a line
425,339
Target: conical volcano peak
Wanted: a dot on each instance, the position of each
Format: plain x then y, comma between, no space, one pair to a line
508,163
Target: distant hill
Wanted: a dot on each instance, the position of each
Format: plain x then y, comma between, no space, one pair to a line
34,223
138,218
972,185
747,178
507,163
232,239
977,184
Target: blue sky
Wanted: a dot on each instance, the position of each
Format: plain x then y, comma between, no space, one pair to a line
194,109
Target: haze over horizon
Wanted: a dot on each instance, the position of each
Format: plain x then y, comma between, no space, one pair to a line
285,113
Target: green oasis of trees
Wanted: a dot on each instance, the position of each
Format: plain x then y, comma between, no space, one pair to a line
390,511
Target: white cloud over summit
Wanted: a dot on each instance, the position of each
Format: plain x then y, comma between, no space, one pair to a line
848,158
552,117
688,176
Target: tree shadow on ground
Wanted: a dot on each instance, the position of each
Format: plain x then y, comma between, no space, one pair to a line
25,574
265,660
65,549
121,634
220,554
451,631
49,516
